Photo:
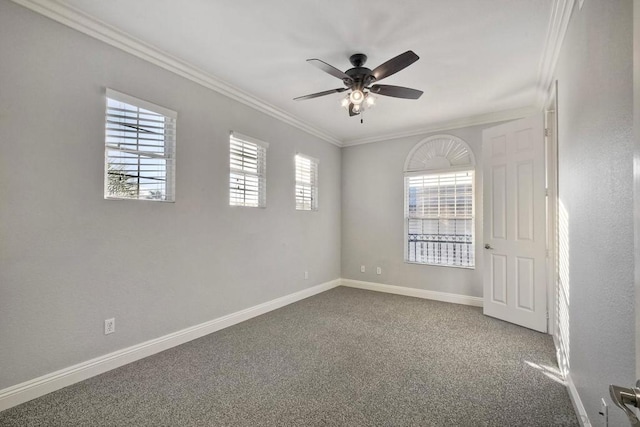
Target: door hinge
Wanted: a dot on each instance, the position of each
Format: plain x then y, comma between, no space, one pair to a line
546,192
546,132
547,253
547,315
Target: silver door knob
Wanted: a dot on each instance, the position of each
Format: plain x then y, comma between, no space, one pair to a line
624,397
487,246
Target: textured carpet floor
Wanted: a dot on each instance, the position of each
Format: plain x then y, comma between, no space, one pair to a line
346,357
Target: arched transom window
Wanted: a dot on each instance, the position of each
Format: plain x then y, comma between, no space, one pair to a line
439,203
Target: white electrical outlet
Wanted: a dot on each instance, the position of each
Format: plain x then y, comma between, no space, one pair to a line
604,412
306,275
362,269
109,326
378,270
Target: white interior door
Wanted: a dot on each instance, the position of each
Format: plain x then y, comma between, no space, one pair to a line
514,223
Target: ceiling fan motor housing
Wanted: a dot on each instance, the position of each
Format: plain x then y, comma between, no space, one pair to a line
361,76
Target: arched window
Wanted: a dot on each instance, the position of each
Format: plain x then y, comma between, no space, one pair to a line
439,203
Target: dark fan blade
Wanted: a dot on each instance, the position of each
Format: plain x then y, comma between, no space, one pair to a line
315,95
329,69
396,91
394,65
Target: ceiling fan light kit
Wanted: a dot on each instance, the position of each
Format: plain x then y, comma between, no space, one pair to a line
356,96
360,81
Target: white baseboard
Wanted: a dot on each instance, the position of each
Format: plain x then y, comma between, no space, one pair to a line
40,386
413,292
581,413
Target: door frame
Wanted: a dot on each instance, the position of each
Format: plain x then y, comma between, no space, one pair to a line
551,177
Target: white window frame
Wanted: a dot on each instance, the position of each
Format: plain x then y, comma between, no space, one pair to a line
242,170
306,190
438,245
115,140
436,156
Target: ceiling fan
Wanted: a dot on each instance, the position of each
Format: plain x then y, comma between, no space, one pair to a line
360,81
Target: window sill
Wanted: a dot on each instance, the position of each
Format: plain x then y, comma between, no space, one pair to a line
441,265
139,200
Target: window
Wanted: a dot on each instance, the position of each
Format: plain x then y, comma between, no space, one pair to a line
306,183
439,203
140,140
247,171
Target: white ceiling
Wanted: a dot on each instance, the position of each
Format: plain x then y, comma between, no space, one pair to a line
477,57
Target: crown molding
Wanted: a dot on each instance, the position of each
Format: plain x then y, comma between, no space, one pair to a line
561,11
480,119
90,26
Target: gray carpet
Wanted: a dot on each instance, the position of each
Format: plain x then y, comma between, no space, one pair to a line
346,357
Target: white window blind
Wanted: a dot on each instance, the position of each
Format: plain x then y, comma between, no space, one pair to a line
306,183
247,171
140,140
439,217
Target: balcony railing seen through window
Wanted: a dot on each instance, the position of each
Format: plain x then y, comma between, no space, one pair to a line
440,219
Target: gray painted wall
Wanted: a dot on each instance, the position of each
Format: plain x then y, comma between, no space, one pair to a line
373,218
596,188
70,259
636,165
